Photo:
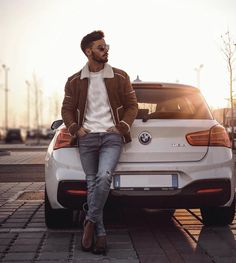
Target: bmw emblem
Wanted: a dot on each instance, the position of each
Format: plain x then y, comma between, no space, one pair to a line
145,138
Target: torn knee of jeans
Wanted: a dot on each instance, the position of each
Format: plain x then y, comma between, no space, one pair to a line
108,173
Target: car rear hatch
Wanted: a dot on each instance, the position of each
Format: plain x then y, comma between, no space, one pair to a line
165,141
167,113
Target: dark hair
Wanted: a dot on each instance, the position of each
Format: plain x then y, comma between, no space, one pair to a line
89,38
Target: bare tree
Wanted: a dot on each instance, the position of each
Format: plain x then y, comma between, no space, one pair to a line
228,49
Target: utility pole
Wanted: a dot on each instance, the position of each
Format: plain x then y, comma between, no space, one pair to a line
198,70
28,104
6,69
37,108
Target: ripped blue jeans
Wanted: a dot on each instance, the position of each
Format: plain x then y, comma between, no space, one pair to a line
99,154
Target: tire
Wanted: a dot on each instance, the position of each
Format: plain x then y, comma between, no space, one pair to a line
57,218
218,216
168,214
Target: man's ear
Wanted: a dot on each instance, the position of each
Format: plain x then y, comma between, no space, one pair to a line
88,52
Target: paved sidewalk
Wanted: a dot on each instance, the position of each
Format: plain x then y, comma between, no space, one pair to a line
25,238
134,236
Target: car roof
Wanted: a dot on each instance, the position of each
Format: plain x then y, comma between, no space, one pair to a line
156,85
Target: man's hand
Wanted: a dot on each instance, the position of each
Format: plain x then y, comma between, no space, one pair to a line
82,131
113,129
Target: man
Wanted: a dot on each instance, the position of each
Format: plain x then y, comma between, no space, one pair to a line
99,107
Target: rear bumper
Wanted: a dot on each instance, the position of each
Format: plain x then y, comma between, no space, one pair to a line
201,193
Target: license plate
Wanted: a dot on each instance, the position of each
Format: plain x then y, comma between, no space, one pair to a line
146,182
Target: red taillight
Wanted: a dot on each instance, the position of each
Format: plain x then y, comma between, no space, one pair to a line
219,137
63,139
216,136
200,138
76,192
210,190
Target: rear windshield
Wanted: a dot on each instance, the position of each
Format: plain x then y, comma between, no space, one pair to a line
171,103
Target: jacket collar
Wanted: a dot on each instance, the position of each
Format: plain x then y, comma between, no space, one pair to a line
107,72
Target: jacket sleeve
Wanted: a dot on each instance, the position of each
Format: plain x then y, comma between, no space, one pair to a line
68,110
130,105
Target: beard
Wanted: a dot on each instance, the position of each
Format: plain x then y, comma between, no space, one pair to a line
98,59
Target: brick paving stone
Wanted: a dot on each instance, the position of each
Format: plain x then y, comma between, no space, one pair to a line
120,245
22,213
54,256
19,215
7,235
13,225
8,209
226,259
23,158
55,247
30,235
196,258
153,258
16,220
26,242
36,225
23,248
121,254
19,257
37,220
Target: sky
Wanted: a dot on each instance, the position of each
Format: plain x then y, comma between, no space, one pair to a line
159,40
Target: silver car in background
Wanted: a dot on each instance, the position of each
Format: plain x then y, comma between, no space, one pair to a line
179,157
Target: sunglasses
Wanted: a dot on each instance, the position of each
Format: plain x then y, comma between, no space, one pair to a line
102,48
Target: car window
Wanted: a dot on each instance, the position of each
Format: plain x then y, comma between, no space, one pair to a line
171,103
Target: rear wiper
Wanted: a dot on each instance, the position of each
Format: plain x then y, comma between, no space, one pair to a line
146,117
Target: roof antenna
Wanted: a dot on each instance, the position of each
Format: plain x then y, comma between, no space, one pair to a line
137,79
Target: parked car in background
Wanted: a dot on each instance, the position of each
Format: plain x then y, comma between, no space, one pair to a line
14,136
180,157
40,134
47,134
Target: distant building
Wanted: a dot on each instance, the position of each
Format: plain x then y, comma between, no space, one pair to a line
223,116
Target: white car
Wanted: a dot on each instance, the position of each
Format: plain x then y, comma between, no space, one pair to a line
179,157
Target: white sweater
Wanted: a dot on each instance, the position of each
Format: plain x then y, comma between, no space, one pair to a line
98,113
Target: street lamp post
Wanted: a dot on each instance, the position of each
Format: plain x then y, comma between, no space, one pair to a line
28,103
6,69
198,70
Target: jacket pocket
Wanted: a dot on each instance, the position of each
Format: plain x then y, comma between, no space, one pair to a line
78,116
120,113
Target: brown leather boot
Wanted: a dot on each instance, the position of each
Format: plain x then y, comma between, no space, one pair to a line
87,238
100,245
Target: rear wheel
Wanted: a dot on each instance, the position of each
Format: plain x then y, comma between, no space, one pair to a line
57,218
218,216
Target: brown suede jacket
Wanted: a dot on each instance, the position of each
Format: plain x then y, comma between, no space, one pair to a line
122,98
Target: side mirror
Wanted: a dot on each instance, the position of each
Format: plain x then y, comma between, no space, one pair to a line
56,124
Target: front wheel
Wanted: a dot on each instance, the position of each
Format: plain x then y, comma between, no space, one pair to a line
218,216
57,218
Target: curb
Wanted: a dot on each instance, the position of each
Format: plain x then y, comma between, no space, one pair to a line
4,152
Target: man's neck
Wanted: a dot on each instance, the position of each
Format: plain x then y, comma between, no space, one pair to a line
95,67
